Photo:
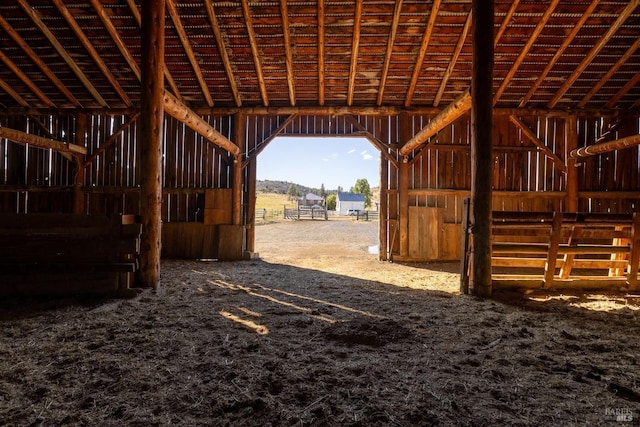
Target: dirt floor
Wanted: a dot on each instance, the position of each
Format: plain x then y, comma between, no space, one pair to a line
319,332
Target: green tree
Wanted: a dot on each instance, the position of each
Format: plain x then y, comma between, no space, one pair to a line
292,192
323,192
331,202
362,187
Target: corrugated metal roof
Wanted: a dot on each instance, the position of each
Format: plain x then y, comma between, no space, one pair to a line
68,54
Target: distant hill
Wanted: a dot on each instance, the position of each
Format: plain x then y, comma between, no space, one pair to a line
281,187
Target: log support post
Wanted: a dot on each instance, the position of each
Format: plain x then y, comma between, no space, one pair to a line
571,132
239,137
151,124
481,140
79,206
403,189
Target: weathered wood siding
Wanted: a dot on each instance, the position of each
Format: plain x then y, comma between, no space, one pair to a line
524,177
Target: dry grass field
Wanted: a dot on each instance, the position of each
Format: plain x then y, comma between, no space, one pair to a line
318,332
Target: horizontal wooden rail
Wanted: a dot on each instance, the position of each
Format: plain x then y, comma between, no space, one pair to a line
555,249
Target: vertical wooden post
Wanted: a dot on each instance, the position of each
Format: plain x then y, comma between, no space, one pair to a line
251,205
151,124
79,206
571,141
481,141
383,212
403,188
239,139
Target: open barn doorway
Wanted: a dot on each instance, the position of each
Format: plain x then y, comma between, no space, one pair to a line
317,198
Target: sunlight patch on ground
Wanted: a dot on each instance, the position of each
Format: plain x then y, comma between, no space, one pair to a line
259,329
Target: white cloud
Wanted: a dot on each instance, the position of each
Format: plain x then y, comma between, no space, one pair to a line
363,153
353,150
367,157
324,159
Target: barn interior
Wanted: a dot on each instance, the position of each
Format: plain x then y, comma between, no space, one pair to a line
82,80
508,132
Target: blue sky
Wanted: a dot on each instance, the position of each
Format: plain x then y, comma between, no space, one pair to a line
312,161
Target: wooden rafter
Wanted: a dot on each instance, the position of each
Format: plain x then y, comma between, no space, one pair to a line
112,139
92,51
619,63
38,61
526,132
167,74
176,109
567,41
423,51
624,90
37,20
594,52
226,62
387,57
26,80
355,44
454,59
11,91
184,39
254,51
321,52
287,51
525,50
457,108
111,29
506,21
39,141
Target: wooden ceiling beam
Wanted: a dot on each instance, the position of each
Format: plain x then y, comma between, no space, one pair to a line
623,91
39,62
284,13
226,62
605,147
387,57
39,141
37,20
594,52
454,59
457,108
92,51
167,74
176,109
528,133
619,63
184,39
246,11
115,36
506,21
423,51
321,52
525,50
355,45
26,80
567,41
11,91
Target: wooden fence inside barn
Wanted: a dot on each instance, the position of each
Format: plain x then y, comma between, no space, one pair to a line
421,196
